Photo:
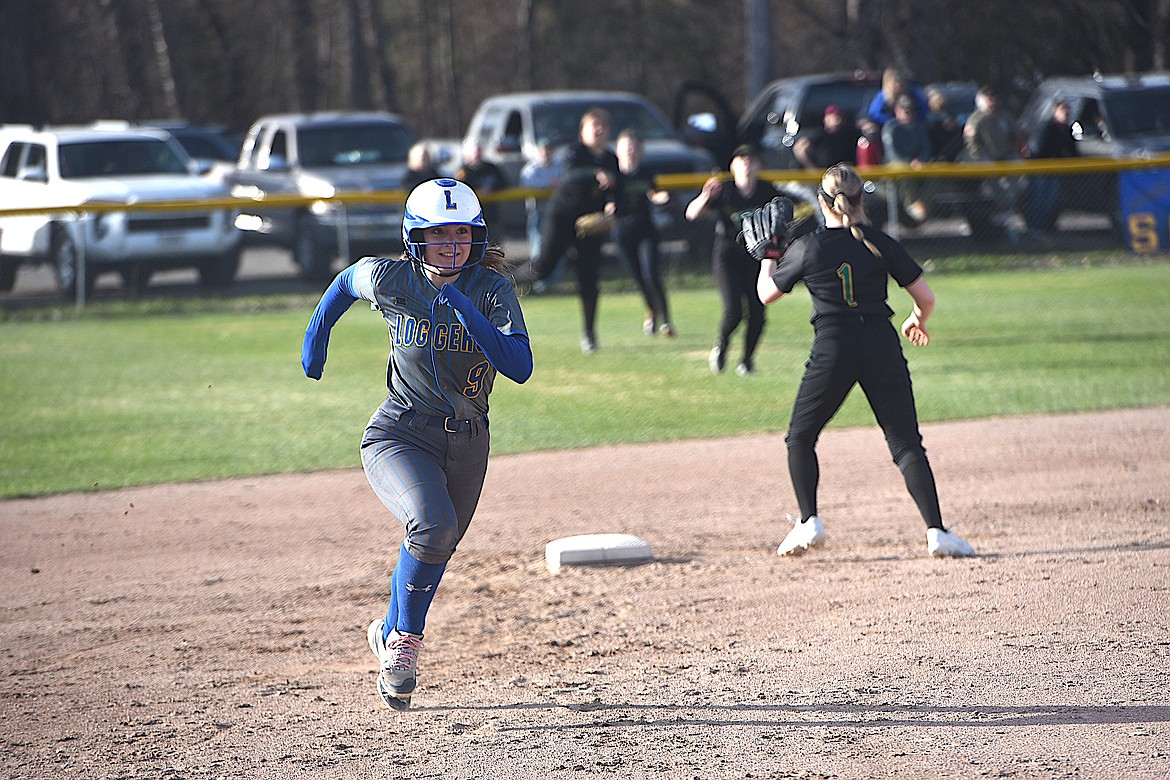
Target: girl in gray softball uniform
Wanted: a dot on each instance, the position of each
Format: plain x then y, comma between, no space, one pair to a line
455,322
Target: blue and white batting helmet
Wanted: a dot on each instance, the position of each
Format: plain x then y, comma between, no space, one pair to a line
443,202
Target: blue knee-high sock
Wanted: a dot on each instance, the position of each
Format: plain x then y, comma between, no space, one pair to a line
412,588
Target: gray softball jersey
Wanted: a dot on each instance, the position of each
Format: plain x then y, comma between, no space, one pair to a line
435,367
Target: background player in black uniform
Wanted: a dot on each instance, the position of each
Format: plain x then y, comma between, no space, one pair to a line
590,183
845,266
733,268
635,235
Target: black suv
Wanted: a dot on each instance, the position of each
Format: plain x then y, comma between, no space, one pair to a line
786,109
1112,116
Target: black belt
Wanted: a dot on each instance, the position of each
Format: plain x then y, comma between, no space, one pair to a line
418,420
451,425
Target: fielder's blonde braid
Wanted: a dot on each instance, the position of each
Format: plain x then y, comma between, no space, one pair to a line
843,184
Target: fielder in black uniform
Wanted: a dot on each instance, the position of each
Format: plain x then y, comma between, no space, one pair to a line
635,235
590,183
733,268
845,266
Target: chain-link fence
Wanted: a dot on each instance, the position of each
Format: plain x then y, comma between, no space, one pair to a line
940,210
1001,209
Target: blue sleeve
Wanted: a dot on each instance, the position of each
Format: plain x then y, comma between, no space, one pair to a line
336,300
511,355
877,109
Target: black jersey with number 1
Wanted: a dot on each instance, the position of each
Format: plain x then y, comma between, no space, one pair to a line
842,275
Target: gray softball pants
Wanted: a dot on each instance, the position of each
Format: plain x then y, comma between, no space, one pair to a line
429,472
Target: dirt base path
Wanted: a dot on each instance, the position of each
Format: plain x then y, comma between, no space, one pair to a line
217,630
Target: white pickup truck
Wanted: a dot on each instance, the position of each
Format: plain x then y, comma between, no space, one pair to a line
101,166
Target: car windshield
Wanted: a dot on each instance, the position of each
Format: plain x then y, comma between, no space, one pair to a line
354,144
122,157
558,123
1139,112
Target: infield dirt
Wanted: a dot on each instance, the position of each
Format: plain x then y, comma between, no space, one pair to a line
217,630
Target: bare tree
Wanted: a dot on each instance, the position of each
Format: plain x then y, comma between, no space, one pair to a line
758,49
526,27
449,43
863,23
162,60
1159,31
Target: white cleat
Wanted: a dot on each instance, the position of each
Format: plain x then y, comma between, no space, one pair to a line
946,544
398,659
804,534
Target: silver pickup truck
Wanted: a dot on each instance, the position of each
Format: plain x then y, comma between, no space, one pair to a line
309,159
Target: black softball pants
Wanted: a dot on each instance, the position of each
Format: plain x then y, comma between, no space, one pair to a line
558,235
637,244
735,273
853,350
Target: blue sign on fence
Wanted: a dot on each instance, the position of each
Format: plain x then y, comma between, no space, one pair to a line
1145,204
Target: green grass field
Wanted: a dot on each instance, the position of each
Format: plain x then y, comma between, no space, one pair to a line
130,394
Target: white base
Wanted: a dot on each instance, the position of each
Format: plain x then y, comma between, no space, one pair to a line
595,549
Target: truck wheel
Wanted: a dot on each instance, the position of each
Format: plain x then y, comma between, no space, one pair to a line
65,260
218,272
8,274
313,259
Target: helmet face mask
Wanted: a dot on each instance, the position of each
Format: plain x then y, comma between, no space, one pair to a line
443,202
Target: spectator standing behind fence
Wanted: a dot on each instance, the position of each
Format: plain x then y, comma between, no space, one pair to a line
989,135
635,235
990,132
895,85
835,143
419,167
944,128
735,270
906,143
541,172
482,176
1042,198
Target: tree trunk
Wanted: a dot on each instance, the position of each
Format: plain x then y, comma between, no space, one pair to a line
1158,33
863,19
304,27
385,94
526,24
757,45
452,121
162,61
426,64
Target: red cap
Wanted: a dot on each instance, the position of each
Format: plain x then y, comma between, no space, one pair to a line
832,109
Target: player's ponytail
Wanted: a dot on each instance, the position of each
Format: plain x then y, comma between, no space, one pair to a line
842,190
494,258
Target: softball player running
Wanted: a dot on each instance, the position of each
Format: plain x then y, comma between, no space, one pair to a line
454,322
733,269
845,267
